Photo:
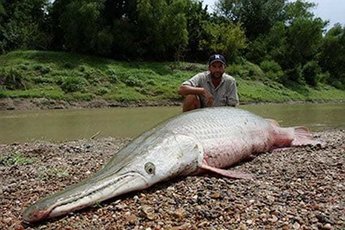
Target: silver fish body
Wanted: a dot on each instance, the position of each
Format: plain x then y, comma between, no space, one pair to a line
201,140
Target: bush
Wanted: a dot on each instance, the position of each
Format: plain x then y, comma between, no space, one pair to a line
42,69
68,65
272,69
247,70
114,79
150,82
102,90
324,77
293,77
73,84
132,81
311,73
12,79
42,80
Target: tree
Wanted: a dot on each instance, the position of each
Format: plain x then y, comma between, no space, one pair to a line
311,73
297,9
256,16
23,24
80,24
226,38
55,15
197,19
292,43
304,38
332,56
162,27
271,46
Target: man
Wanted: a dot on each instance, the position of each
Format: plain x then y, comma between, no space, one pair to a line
210,88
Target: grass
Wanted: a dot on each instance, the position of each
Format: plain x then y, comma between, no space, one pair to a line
71,77
15,158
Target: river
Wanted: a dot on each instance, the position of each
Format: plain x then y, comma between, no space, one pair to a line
63,125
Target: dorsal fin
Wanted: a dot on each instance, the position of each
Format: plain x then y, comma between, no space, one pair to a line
273,122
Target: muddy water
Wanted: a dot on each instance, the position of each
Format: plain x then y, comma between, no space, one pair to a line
62,125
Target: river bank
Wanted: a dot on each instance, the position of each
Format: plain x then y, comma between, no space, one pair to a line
51,104
57,80
44,104
296,188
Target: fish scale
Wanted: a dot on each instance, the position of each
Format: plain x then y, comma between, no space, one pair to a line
232,135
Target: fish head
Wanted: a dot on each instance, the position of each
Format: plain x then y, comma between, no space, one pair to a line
144,162
168,155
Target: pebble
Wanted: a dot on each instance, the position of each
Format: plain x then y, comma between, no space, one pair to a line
292,189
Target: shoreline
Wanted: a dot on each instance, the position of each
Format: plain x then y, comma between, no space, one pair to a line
22,104
294,188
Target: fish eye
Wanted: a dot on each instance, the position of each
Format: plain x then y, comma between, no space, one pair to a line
150,168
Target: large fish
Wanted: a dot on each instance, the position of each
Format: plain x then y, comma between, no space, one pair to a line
194,142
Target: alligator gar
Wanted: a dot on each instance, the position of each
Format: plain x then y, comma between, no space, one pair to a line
199,141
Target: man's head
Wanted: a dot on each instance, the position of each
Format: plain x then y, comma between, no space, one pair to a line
216,65
216,58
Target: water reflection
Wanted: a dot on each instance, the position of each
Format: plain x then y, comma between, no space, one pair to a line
61,125
314,116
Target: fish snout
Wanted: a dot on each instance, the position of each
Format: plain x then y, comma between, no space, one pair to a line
32,215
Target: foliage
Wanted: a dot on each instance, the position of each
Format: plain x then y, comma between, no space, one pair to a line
256,16
304,38
246,70
73,84
297,9
79,35
272,70
332,56
22,25
228,39
12,79
197,19
311,73
283,37
88,78
161,17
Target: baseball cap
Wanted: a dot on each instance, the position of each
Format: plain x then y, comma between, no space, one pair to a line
216,57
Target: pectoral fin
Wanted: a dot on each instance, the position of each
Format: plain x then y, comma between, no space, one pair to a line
227,173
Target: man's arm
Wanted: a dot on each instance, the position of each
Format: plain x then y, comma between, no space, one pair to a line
234,101
185,90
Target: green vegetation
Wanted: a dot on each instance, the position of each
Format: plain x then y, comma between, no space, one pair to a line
290,44
45,173
73,77
15,158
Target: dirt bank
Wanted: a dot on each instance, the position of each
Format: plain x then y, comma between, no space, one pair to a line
296,188
43,103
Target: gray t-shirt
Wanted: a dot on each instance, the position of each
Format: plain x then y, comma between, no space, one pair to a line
224,95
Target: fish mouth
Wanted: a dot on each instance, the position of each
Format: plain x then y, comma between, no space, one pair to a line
82,195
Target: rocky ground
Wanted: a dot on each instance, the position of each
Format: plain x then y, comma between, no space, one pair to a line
296,188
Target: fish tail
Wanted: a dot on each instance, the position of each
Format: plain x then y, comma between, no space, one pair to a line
303,137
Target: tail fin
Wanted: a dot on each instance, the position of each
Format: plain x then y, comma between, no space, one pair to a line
303,137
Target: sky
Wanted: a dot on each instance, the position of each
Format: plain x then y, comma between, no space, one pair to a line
331,10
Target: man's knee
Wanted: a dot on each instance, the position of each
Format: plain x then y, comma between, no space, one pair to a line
191,102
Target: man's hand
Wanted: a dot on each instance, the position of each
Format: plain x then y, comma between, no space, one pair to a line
209,98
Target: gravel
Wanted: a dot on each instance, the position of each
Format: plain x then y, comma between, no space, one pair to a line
295,188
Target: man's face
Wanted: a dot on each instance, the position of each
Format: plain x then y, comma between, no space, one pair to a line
216,69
